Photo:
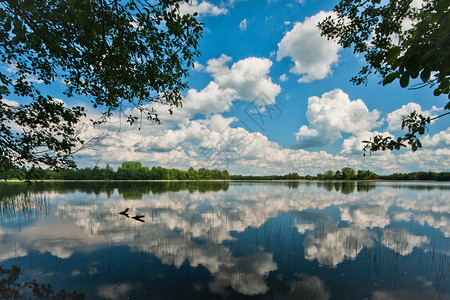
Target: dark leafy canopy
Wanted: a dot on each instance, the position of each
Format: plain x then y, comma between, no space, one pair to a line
116,53
378,30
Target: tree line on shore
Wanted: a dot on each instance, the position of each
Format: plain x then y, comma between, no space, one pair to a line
128,171
136,171
351,174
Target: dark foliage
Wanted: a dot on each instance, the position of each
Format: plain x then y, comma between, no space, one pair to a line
128,171
116,54
376,29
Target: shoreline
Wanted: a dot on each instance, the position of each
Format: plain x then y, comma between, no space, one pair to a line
216,180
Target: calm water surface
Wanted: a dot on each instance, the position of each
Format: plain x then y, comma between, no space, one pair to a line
263,240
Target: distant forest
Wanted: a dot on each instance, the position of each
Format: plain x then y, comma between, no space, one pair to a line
351,174
136,171
128,171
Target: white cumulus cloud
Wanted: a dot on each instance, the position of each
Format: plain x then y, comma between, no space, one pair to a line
248,77
439,140
203,8
211,99
431,160
332,114
312,54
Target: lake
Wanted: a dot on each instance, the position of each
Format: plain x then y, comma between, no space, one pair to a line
225,240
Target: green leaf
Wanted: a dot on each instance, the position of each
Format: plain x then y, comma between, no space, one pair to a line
404,80
414,74
421,130
442,5
393,54
425,75
445,27
429,54
391,77
7,26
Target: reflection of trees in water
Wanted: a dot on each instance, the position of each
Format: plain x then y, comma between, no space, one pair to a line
129,189
14,188
293,184
135,190
10,288
346,187
420,187
365,186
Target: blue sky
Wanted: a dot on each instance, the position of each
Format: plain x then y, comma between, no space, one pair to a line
270,96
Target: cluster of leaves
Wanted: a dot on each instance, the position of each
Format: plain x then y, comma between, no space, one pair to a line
424,49
11,289
115,53
378,30
47,133
415,123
